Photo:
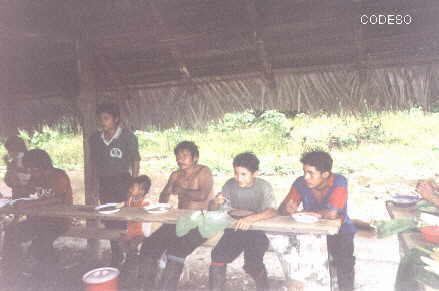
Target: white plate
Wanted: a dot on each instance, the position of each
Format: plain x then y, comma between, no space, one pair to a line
4,202
107,211
165,208
305,218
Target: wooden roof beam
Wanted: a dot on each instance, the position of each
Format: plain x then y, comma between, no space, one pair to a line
20,34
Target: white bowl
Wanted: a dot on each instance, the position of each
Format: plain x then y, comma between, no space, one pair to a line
107,211
165,207
305,217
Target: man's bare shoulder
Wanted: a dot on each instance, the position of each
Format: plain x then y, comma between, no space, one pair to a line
203,168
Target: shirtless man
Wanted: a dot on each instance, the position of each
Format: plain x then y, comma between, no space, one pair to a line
192,184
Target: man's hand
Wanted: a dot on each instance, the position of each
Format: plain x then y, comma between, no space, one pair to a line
243,223
329,214
426,190
219,199
292,206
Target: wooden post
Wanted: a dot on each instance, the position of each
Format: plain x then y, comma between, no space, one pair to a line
86,103
358,40
265,63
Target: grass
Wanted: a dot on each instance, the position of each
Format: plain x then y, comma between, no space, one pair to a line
385,141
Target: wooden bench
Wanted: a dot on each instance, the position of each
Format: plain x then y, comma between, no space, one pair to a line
115,234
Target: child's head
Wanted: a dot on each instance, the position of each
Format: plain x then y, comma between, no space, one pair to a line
317,167
246,167
140,185
108,115
186,154
15,145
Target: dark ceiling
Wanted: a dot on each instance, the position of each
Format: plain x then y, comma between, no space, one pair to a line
138,42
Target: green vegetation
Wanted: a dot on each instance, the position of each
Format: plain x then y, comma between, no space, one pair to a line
378,141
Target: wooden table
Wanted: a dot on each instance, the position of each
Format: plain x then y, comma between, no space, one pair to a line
310,239
409,239
279,224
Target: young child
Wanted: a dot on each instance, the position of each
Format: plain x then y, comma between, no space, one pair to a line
320,190
245,192
136,231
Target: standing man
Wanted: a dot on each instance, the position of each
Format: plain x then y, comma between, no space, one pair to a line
52,187
192,184
115,152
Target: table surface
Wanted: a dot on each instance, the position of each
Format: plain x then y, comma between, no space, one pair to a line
278,224
408,239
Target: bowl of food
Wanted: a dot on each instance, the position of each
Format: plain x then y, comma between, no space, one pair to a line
306,217
405,200
430,233
158,208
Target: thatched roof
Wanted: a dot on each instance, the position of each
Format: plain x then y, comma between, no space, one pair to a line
144,44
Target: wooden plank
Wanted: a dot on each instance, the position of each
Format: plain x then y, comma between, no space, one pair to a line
278,224
94,233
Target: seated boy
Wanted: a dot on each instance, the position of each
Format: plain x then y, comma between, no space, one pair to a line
192,184
246,192
320,190
52,188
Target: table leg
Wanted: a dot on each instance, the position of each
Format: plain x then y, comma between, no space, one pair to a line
304,260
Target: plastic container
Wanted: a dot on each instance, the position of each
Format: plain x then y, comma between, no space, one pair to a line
430,233
405,200
101,279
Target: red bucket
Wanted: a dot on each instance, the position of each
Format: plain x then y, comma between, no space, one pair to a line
102,279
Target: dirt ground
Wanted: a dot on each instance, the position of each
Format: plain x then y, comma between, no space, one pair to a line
376,260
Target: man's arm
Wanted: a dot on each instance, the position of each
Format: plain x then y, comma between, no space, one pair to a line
205,182
244,223
291,202
135,155
135,167
427,191
167,191
336,202
62,193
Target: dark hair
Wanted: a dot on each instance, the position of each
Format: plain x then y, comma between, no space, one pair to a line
110,108
189,146
37,158
320,160
144,182
16,144
247,160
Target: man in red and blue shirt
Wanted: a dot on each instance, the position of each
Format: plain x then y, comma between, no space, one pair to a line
320,190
